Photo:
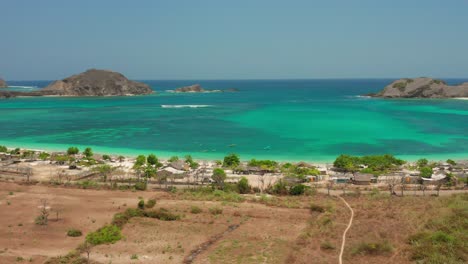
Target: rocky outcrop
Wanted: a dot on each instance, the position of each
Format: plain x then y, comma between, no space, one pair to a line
97,83
422,88
196,88
3,84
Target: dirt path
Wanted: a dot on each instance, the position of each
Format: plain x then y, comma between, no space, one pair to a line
203,247
346,230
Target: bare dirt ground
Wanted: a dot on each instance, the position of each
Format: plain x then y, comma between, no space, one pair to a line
85,210
280,230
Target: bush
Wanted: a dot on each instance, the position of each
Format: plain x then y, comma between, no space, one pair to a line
425,172
317,208
106,157
280,187
216,210
140,186
151,203
195,210
3,149
378,248
243,185
162,214
141,204
219,176
104,235
41,220
74,233
327,245
231,160
297,189
449,161
73,151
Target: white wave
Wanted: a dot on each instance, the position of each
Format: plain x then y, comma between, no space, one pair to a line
24,87
185,106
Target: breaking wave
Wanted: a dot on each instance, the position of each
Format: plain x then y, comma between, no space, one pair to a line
185,106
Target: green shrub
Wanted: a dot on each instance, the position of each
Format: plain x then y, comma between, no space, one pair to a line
105,235
195,209
74,233
141,204
327,245
88,184
280,187
231,160
3,149
162,214
151,203
41,220
375,248
134,256
216,210
297,189
243,185
317,208
106,157
140,186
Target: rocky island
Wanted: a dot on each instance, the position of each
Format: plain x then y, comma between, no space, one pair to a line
196,88
3,84
422,88
89,83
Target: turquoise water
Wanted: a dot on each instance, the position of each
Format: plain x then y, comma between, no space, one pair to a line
313,120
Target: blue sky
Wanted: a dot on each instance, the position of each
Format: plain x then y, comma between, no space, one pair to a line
242,39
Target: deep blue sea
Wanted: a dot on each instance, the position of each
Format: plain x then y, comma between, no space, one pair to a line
313,120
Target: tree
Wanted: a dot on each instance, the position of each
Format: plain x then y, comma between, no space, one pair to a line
243,185
43,217
347,163
449,161
86,248
329,186
104,171
3,149
231,161
425,172
152,159
73,151
140,161
88,152
173,158
150,172
191,162
121,158
43,155
422,163
219,176
106,157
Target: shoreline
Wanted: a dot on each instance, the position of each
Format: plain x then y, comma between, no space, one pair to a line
214,156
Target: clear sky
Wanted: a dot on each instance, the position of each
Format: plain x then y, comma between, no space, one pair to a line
241,39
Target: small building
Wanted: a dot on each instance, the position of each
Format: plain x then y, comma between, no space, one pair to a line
362,178
179,165
436,179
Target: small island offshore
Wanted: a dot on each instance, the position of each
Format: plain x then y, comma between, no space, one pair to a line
3,83
422,88
92,82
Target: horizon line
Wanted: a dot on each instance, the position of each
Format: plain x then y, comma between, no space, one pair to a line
260,79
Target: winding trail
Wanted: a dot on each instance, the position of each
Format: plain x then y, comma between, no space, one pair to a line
346,230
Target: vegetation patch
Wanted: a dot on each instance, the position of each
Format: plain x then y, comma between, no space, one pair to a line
444,239
74,233
104,235
373,248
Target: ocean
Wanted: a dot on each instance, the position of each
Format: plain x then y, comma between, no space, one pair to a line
285,120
